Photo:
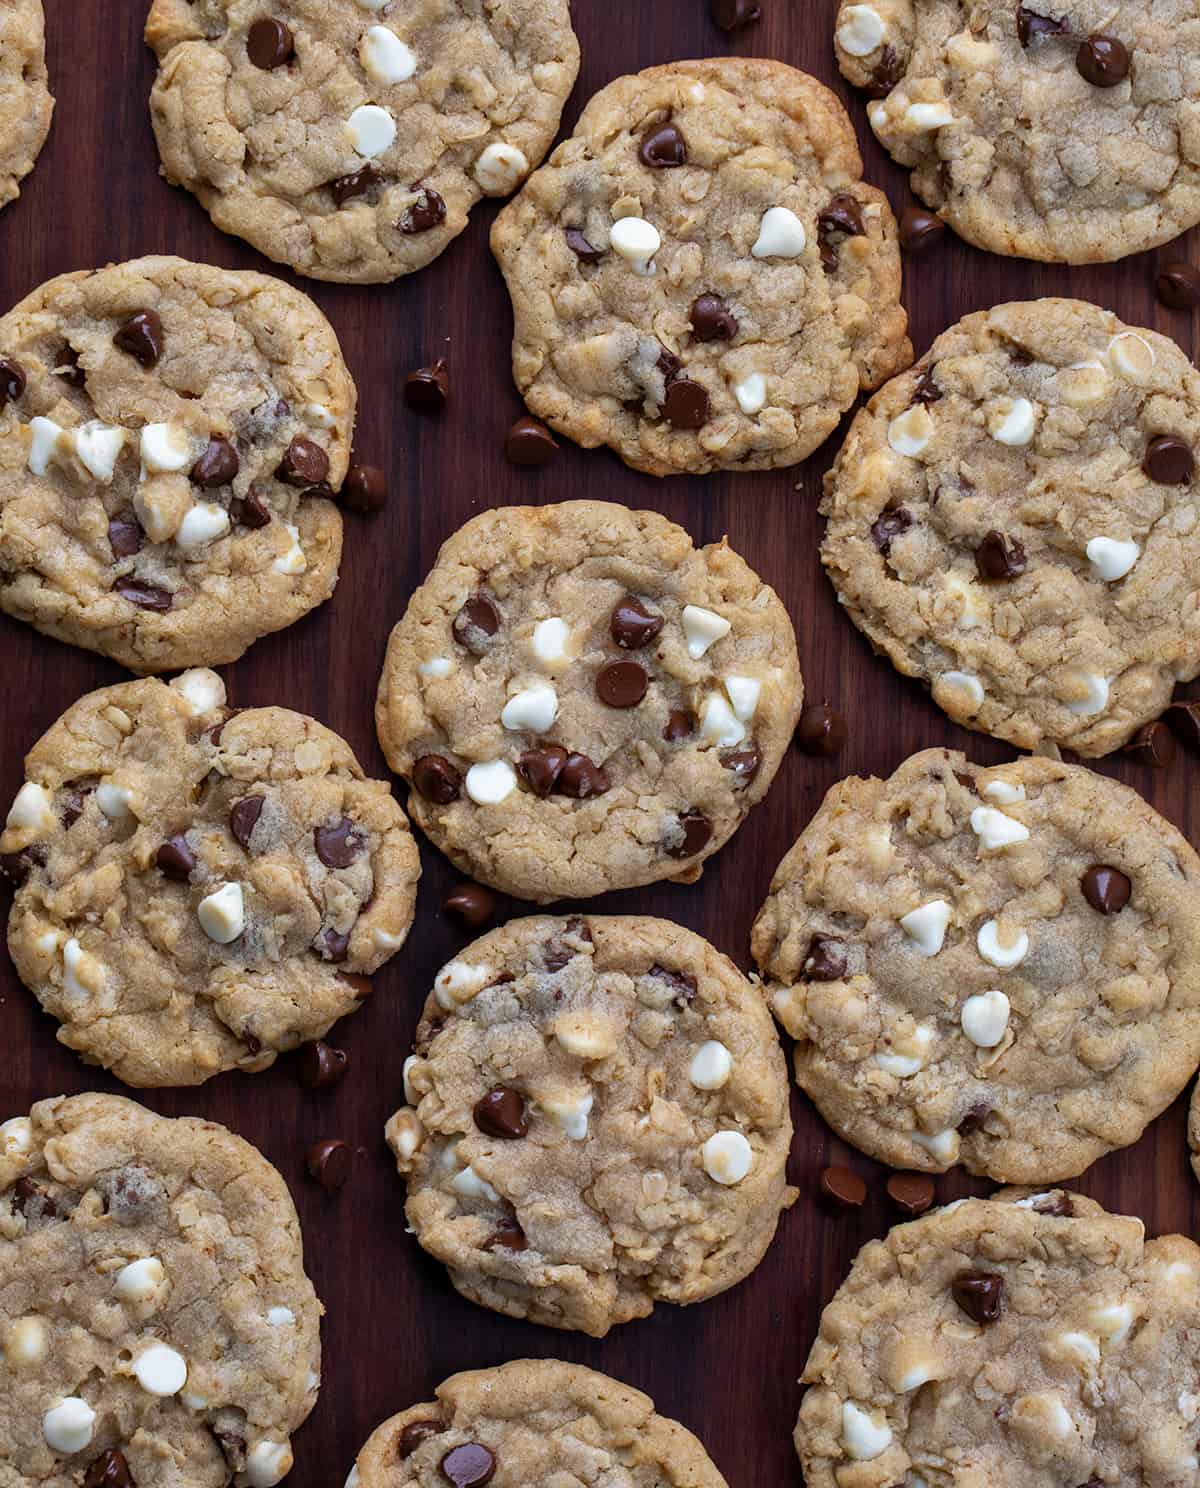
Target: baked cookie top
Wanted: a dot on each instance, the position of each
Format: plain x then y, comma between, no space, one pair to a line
1015,522
170,435
25,101
1067,131
582,700
1030,1340
596,1121
157,1325
199,888
350,138
997,967
699,275
534,1422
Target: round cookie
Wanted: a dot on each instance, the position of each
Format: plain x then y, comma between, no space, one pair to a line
350,138
584,701
1034,1339
700,277
200,889
1067,131
25,101
534,1422
170,436
156,1322
596,1121
995,967
1014,521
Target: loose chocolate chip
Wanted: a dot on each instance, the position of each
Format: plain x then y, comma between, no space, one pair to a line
322,1064
621,684
508,1235
696,829
428,388
843,1187
686,404
1177,284
250,510
357,183
109,1470
581,248
145,596
919,229
580,778
364,489
217,466
742,764
471,905
1168,460
269,43
529,442
476,623
501,1113
1031,25
730,14
712,320
1153,744
414,1434
304,463
540,768
175,859
1103,61
886,75
888,526
428,211
16,867
912,1193
663,146
980,1294
243,817
12,380
338,843
842,215
142,337
329,1162
826,959
999,556
974,1118
1183,719
684,984
125,536
1105,888
437,779
680,724
633,625
822,731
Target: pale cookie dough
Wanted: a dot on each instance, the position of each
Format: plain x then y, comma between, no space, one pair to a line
1016,522
700,277
994,967
25,101
1067,131
350,138
538,1423
170,436
582,700
156,1323
596,1121
199,888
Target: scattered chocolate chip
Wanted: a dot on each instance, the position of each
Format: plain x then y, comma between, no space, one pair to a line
360,984
109,1470
974,1118
822,731
686,404
428,211
580,778
1153,744
428,388
684,983
999,556
1183,719
243,817
826,959
476,623
540,768
12,380
69,369
980,1294
581,248
843,215
414,1434
663,146
470,1465
322,1064
145,596
926,390
1168,460
696,829
729,15
16,867
501,1113
217,466
304,463
364,489
175,859
742,763
912,1193
269,43
1105,888
529,442
888,526
436,779
1030,25
633,625
1103,61
668,364
357,183
886,75
1177,284
339,843
621,684
680,724
919,229
712,319
471,905
142,337
329,1162
508,1235
250,510
843,1187
125,536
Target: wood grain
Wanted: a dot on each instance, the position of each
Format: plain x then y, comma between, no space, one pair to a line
394,1328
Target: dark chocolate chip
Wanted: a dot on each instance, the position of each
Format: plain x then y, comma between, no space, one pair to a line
12,380
16,867
1153,744
926,390
501,1113
842,216
974,1118
109,1470
1177,284
72,808
1168,460
999,556
142,337
980,1294
243,817
250,510
269,43
712,319
887,74
742,764
621,684
540,768
529,442
364,489
683,982
414,1434
843,1187
668,364
322,1064
662,146
436,779
1103,61
912,1193
69,369
919,229
633,625
696,829
428,211
339,843
470,1465
357,183
888,526
680,724
1030,25
471,905
329,1162
217,466
125,536
304,463
1183,719
428,388
476,623
825,960
729,15
508,1235
145,596
581,248
822,730
175,859
686,404
1105,888
580,778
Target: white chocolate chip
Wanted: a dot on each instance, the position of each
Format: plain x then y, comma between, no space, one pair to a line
97,446
1111,558
372,130
585,1035
268,1462
995,953
114,800
27,1342
860,30
780,235
1004,791
192,1401
941,1145
1113,1322
926,926
995,830
141,1281
909,432
1131,355
533,708
501,168
161,502
201,689
82,974
1040,1416
984,1018
1095,699
974,609
928,115
459,981
352,1477
877,115
385,58
1081,1347
32,810
1014,424
204,523
469,1183
165,447
743,693
570,1113
293,560
161,1370
68,1425
702,628
916,1375
719,723
411,1095
281,1317
374,4
549,643
16,1137
45,443
317,416
967,684
490,783
904,1065
405,1133
711,1066
637,241
751,393
436,667
384,940
727,1157
222,914
863,1437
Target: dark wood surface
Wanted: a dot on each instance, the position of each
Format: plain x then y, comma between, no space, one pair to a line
394,1326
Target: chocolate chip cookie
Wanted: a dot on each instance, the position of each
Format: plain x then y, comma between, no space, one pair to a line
1016,521
994,967
596,1120
156,1323
350,138
25,101
170,437
700,276
1067,131
199,889
582,700
1030,1339
533,1421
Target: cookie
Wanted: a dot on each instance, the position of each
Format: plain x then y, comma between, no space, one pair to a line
1068,131
1015,522
582,700
25,101
994,967
200,889
156,1322
596,1121
350,138
170,437
533,1421
1030,1339
700,277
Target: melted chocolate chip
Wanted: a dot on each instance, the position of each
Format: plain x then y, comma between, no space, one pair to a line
843,216
217,466
540,768
364,489
826,959
999,556
887,74
686,404
668,364
304,463
974,1118
888,526
476,623
428,388
269,43
621,684
142,337
243,817
926,390
580,778
1103,61
663,146
742,764
322,1064
470,1465
822,731
12,380
501,1113
683,983
980,1294
1153,744
581,248
712,319
109,1470
1177,284
329,1162
428,211
508,1235
1168,460
633,625
919,229
175,859
1030,25
125,536
529,442
414,1434
250,510
145,596
338,843
1105,888
357,183
680,724
335,945
436,779
696,830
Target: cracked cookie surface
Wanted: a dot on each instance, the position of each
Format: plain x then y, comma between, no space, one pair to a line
700,277
170,435
998,967
1016,522
200,889
1068,132
350,138
596,1120
1032,1340
156,1321
582,700
25,102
